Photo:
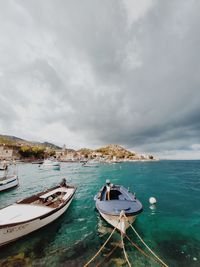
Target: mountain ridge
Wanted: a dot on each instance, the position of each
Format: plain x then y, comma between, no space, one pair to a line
13,140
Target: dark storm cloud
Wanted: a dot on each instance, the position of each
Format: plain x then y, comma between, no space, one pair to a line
99,72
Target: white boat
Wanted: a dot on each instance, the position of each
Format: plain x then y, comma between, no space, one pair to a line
3,166
90,164
120,200
48,163
32,213
8,182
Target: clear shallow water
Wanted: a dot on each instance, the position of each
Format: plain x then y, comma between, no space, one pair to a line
172,230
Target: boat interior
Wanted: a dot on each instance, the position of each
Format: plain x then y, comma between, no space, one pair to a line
115,194
52,199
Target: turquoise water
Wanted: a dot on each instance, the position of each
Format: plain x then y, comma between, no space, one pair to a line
172,230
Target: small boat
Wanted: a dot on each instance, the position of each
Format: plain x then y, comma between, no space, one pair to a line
8,182
37,162
32,213
48,163
90,164
110,203
3,167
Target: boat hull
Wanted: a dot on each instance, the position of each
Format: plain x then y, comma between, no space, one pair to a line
10,183
51,166
14,232
113,220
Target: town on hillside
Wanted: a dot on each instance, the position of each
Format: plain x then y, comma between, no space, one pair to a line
12,148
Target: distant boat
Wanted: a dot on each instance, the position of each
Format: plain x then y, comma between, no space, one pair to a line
90,164
38,162
8,182
3,166
34,212
120,200
48,163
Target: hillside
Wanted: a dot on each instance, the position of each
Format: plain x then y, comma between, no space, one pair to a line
28,149
115,150
9,140
112,152
120,153
14,141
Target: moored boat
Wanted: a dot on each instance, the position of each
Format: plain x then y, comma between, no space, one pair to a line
90,164
3,166
8,182
48,163
32,213
114,199
37,162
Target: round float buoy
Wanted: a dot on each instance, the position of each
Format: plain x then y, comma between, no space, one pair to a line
152,200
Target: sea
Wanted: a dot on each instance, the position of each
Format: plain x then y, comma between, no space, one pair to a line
171,228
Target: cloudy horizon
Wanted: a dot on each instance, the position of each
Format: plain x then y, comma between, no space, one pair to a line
90,73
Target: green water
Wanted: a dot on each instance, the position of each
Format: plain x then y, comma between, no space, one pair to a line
172,230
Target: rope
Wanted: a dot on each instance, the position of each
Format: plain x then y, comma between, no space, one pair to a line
100,248
123,247
108,255
164,264
139,249
122,241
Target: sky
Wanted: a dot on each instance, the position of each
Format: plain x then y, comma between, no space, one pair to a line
90,73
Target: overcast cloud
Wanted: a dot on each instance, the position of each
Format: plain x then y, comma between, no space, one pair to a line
89,73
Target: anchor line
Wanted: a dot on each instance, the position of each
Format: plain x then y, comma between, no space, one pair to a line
122,214
158,259
139,249
108,255
123,247
102,245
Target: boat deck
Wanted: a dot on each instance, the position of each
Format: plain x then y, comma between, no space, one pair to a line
54,198
21,212
29,208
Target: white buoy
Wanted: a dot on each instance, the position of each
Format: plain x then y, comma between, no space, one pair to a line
152,200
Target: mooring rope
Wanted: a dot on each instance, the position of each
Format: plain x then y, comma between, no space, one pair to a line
139,249
123,247
164,264
100,248
108,255
122,214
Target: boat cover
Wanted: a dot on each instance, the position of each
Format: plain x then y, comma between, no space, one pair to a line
126,201
114,207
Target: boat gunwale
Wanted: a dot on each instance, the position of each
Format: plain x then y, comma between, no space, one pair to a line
8,182
7,177
52,211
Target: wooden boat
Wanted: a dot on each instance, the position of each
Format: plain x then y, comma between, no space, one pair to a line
120,200
8,182
32,213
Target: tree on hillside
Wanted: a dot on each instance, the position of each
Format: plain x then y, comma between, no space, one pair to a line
28,152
